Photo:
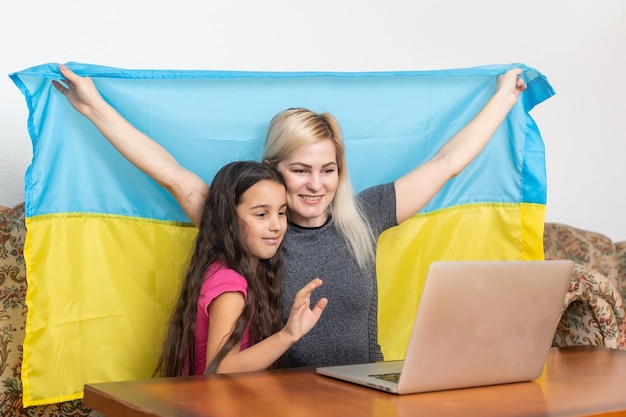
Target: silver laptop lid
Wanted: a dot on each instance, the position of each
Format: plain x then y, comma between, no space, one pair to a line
483,323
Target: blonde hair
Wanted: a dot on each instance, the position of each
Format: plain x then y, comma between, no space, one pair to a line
294,128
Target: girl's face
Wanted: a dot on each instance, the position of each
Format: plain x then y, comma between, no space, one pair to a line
312,176
263,213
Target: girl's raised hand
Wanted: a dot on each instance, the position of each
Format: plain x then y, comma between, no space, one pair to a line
302,317
81,92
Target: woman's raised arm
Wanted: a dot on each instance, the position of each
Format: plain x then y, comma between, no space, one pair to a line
187,188
415,189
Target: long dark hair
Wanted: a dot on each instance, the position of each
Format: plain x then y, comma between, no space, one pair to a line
219,239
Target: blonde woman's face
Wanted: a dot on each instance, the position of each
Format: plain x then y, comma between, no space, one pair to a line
312,176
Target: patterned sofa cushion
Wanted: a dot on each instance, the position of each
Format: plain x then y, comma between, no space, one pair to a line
594,307
620,248
12,322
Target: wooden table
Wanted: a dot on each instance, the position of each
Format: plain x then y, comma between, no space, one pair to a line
576,381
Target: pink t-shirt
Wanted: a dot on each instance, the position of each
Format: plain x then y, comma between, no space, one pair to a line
217,281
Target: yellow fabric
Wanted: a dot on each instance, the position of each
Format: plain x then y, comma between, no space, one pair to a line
141,286
129,295
468,232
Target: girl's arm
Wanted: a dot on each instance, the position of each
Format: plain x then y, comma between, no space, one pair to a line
224,311
415,189
187,188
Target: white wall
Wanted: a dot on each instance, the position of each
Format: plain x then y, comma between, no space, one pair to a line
580,45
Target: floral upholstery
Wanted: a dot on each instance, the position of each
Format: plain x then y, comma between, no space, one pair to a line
594,307
593,310
12,322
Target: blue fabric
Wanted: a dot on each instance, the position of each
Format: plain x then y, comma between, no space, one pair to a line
391,121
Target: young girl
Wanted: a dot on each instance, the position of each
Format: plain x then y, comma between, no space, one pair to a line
228,317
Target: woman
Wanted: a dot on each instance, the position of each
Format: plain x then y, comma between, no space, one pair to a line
331,234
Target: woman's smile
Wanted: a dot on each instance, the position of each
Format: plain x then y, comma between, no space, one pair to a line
312,176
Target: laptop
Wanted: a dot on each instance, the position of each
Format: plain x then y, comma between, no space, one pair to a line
478,323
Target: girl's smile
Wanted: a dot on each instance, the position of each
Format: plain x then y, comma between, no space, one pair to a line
263,213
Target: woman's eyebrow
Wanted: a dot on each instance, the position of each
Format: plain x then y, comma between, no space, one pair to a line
302,164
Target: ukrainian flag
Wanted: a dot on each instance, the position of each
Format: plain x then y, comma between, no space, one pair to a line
106,246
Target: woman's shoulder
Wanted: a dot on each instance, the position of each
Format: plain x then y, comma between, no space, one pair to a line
375,191
378,205
378,197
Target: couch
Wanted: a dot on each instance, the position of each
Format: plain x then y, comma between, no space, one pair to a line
13,320
593,309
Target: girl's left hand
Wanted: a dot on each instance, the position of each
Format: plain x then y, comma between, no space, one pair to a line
303,318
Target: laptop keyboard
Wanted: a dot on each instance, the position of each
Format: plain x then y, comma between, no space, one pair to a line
391,377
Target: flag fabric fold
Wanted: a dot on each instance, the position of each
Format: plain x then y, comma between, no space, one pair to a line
106,247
